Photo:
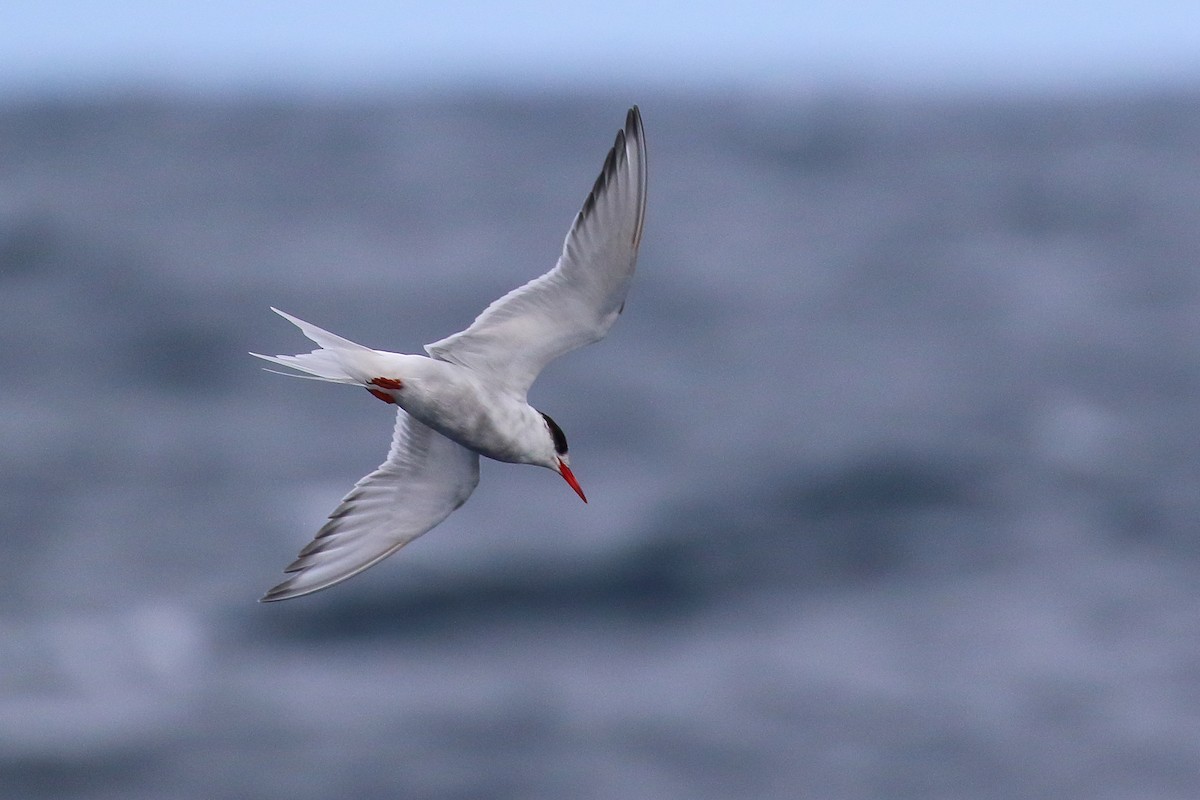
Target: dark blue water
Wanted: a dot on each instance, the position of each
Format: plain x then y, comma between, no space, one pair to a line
892,458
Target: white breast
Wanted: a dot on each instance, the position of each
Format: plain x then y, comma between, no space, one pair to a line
459,404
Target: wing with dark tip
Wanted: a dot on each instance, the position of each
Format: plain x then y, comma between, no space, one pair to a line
425,477
576,302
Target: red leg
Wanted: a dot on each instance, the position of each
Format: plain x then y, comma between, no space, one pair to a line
387,383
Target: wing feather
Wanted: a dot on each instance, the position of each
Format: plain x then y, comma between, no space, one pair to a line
576,302
424,478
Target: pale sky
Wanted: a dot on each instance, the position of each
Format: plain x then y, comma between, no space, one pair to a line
299,44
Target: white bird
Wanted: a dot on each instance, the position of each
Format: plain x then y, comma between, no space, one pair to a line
468,397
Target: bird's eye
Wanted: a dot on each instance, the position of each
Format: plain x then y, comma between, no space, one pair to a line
560,438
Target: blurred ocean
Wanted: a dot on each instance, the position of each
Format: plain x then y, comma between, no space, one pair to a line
893,458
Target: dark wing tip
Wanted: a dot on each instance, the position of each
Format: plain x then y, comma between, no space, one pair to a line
276,593
607,172
637,136
632,132
285,591
633,123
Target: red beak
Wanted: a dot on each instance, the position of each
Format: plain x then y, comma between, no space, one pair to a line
569,477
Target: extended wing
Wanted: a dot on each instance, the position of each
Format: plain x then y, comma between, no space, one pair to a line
425,477
576,302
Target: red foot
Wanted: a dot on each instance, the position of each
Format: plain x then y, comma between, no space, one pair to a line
384,396
387,383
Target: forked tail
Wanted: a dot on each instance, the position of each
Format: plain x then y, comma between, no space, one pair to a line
337,360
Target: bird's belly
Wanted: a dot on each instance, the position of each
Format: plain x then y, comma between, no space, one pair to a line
462,412
478,431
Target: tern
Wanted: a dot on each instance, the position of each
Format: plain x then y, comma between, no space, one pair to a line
468,396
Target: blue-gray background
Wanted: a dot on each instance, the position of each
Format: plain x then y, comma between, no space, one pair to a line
892,458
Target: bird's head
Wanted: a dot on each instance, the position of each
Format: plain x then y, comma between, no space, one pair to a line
560,461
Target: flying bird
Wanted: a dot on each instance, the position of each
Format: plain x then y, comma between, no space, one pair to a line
468,397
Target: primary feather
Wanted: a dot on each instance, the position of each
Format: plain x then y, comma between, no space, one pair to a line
577,301
424,478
